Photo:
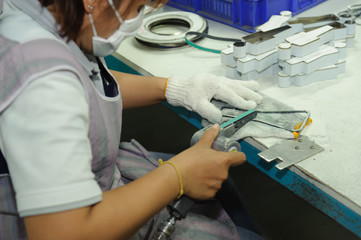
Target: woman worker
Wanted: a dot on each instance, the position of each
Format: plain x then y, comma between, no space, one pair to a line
67,176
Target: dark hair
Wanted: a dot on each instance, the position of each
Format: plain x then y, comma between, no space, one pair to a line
72,14
71,19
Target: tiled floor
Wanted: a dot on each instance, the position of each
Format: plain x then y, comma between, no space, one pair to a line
278,213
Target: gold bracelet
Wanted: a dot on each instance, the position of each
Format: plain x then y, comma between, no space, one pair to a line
160,161
165,87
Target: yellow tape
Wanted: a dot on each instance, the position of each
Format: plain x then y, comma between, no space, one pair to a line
296,134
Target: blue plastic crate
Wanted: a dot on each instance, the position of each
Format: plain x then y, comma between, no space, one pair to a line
242,14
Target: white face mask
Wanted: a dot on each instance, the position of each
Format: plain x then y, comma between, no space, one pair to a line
103,47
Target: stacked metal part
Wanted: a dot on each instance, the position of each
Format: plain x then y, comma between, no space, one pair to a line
300,52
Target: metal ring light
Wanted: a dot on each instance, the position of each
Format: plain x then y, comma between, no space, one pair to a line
191,21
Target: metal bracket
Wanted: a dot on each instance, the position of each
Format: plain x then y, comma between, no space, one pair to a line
291,152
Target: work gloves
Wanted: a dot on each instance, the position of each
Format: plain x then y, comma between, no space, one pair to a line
195,94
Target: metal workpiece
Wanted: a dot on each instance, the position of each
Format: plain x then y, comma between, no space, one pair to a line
304,51
341,30
325,73
345,17
304,43
227,57
257,62
291,152
239,49
284,51
325,56
261,42
350,41
324,64
351,27
271,70
341,48
316,21
275,21
352,12
231,72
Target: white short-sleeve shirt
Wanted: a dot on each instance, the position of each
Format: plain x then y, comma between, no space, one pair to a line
44,134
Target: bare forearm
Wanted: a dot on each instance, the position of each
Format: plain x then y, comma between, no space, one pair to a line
118,216
141,200
124,210
138,91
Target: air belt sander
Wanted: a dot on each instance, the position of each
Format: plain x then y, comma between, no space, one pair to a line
179,208
227,129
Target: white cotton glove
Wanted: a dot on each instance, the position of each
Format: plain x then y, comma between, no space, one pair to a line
196,93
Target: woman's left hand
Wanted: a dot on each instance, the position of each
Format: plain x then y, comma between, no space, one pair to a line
196,93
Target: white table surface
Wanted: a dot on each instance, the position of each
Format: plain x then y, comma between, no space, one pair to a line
335,105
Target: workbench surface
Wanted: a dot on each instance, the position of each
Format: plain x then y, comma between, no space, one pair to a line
334,104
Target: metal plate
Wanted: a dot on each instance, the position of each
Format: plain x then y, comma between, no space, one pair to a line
291,152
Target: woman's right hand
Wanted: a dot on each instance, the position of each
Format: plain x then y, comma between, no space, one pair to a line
203,169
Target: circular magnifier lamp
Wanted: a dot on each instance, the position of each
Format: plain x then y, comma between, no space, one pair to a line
168,29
